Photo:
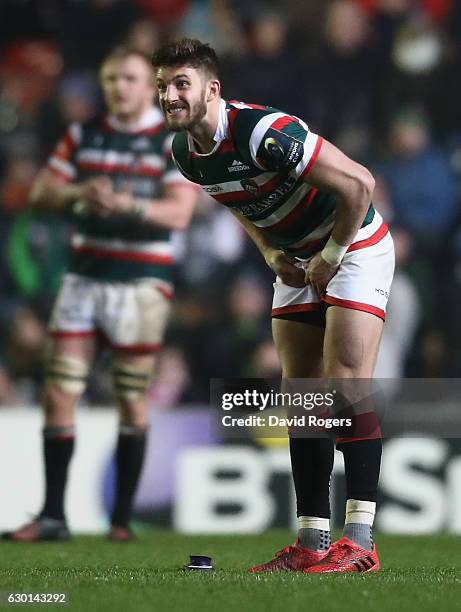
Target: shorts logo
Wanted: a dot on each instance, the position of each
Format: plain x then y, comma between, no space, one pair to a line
382,292
250,186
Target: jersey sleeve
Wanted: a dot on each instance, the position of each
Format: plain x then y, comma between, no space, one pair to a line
283,143
172,175
62,160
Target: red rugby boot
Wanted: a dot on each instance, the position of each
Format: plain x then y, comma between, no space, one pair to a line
41,529
293,558
345,556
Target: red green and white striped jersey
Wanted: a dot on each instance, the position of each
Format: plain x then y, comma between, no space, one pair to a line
119,248
259,166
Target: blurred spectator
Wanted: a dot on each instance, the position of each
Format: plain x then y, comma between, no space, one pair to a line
248,320
419,176
341,86
268,72
89,30
143,36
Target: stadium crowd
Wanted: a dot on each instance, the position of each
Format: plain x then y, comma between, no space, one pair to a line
380,78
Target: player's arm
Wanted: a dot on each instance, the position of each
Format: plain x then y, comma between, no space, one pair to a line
281,264
56,187
172,211
353,186
52,191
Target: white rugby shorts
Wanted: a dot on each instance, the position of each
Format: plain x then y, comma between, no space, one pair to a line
362,282
131,316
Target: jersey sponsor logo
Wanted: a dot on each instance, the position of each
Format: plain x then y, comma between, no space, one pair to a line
212,189
250,186
382,292
238,166
278,151
271,199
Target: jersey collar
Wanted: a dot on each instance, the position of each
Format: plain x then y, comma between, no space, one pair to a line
151,118
222,131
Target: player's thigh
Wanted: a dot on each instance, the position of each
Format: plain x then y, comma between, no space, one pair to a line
74,308
134,316
132,375
299,346
351,343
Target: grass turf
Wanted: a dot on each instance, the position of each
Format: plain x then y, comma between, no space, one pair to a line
419,574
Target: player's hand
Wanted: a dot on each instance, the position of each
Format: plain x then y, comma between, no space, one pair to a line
120,202
95,189
319,273
103,200
284,267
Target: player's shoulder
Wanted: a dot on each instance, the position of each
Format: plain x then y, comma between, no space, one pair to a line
251,122
245,116
180,147
82,132
181,154
95,123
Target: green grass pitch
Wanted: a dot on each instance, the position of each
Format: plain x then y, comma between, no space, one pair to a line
421,574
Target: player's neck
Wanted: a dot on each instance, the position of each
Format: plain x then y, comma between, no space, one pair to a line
203,133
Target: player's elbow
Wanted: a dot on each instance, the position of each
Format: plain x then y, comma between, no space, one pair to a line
366,183
363,185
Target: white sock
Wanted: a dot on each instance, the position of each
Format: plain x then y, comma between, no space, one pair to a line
359,511
313,522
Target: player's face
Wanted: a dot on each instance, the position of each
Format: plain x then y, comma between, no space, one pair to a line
183,95
128,87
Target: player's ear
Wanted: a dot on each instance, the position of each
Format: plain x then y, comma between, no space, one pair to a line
214,89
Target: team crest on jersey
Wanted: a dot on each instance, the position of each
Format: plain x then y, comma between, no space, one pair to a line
250,186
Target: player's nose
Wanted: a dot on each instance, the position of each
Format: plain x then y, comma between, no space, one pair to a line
171,93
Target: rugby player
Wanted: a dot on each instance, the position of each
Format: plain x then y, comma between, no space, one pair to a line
307,206
115,175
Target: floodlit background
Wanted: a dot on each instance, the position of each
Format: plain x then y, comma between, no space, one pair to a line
380,78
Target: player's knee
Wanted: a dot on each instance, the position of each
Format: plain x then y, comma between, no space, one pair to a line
343,366
131,381
65,375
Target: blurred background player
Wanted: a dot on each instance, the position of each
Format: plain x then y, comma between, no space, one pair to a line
115,175
307,207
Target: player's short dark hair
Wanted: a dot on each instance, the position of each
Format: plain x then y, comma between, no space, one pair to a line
187,52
